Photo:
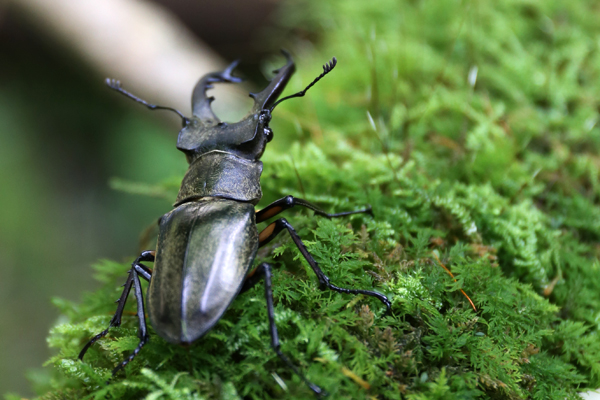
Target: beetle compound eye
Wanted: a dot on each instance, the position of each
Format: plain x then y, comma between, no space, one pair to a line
268,134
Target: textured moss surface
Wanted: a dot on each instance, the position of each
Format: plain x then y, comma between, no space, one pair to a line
471,129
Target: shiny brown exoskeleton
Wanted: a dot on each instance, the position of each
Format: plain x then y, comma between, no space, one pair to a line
208,242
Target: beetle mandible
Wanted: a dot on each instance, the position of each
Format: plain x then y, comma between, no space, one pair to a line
208,242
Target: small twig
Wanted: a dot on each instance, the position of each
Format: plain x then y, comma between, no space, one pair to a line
452,275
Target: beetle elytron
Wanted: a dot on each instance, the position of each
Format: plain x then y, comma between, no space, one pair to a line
207,243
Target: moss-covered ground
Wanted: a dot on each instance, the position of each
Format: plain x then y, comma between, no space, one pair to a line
471,129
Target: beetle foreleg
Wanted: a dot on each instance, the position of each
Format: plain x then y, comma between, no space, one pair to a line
264,271
288,202
116,319
273,229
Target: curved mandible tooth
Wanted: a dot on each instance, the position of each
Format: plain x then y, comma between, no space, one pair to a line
201,102
265,98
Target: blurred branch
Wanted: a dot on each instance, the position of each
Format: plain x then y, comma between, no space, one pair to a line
138,42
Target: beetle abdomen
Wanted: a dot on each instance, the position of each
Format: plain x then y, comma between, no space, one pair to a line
205,249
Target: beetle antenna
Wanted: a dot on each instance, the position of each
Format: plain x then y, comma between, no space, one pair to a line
116,85
326,69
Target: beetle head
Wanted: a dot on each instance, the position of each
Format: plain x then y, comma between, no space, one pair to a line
247,138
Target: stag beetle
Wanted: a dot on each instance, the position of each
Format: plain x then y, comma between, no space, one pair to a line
207,243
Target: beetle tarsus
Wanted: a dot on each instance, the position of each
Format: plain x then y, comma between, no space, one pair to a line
124,363
116,319
91,342
372,293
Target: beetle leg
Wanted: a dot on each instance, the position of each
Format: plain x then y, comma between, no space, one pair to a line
143,271
273,229
143,329
288,202
116,319
264,271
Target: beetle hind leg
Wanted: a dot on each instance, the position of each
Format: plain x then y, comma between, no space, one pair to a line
264,271
136,270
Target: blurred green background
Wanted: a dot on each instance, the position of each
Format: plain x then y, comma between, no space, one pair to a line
63,135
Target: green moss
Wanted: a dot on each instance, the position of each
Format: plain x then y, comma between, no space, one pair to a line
495,176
